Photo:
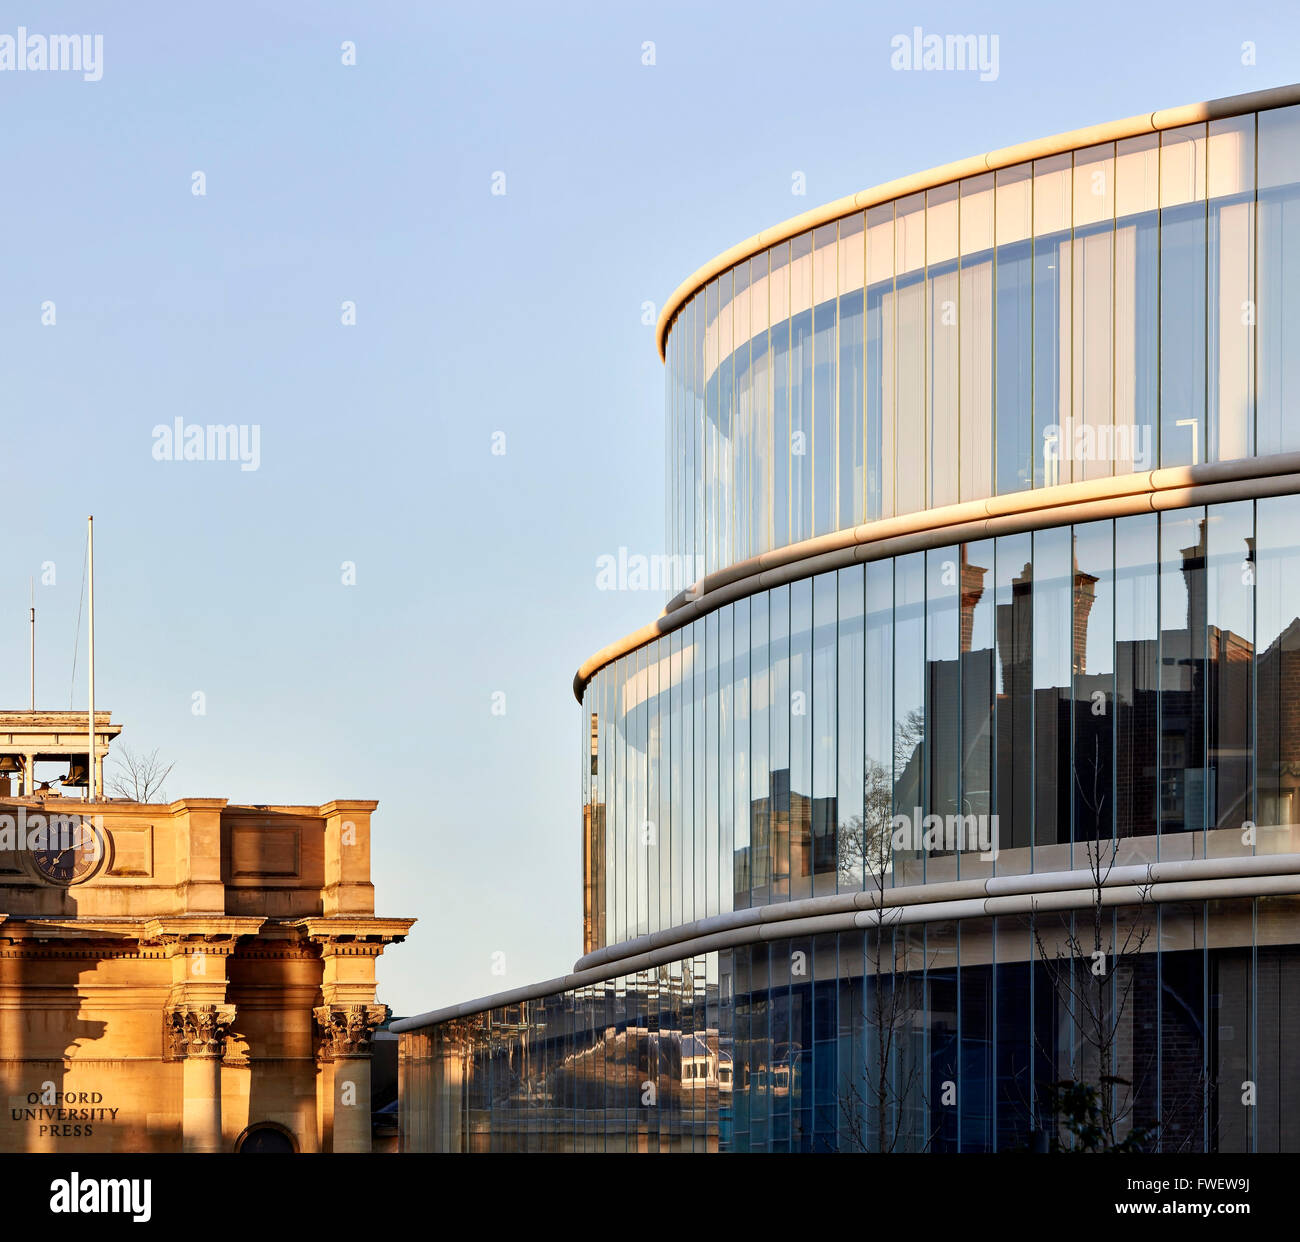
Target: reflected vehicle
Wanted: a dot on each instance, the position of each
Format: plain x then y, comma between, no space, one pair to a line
699,1064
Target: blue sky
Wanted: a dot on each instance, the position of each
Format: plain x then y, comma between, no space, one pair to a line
475,314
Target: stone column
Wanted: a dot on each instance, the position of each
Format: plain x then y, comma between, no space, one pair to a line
197,1033
346,1033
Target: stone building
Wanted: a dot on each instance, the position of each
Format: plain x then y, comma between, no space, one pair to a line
188,976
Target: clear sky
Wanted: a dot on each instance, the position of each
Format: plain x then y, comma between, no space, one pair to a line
476,313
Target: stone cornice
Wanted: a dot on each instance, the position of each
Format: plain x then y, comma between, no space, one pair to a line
346,806
207,929
353,928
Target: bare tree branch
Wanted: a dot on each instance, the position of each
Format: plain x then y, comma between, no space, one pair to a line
139,777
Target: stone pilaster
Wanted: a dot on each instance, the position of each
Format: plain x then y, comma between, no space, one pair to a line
197,1033
197,1015
346,1035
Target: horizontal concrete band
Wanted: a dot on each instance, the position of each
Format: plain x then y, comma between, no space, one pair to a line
1197,879
1005,157
1039,509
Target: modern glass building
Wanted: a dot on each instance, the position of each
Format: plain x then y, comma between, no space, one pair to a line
957,798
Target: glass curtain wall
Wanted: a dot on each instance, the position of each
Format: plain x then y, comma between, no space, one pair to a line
1016,700
1117,308
945,1036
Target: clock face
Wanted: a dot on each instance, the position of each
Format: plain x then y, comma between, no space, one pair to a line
72,861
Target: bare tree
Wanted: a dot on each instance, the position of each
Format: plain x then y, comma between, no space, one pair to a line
881,1116
1095,977
139,777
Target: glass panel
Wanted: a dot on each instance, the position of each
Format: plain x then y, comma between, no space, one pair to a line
1230,381
801,388
679,798
1278,271
801,740
1182,702
700,818
909,709
1229,934
1053,251
713,713
1184,1105
1090,441
1053,628
978,679
783,432
1229,646
721,860
779,755
852,386
910,457
1015,702
825,386
760,780
975,320
824,717
1277,977
942,711
618,790
1136,663
1015,313
851,783
1277,671
942,294
878,764
742,440
664,822
1136,279
761,456
943,1088
976,1073
711,427
1182,296
741,842
1093,624
880,362
724,427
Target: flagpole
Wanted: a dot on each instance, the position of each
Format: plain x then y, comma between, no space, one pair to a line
92,783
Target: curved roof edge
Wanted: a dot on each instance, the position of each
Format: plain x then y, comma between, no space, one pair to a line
1004,157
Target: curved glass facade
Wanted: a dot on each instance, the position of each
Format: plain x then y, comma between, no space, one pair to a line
1128,678
947,1036
1111,309
1045,699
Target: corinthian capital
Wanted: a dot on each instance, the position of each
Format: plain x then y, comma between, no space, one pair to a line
346,1030
197,1030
